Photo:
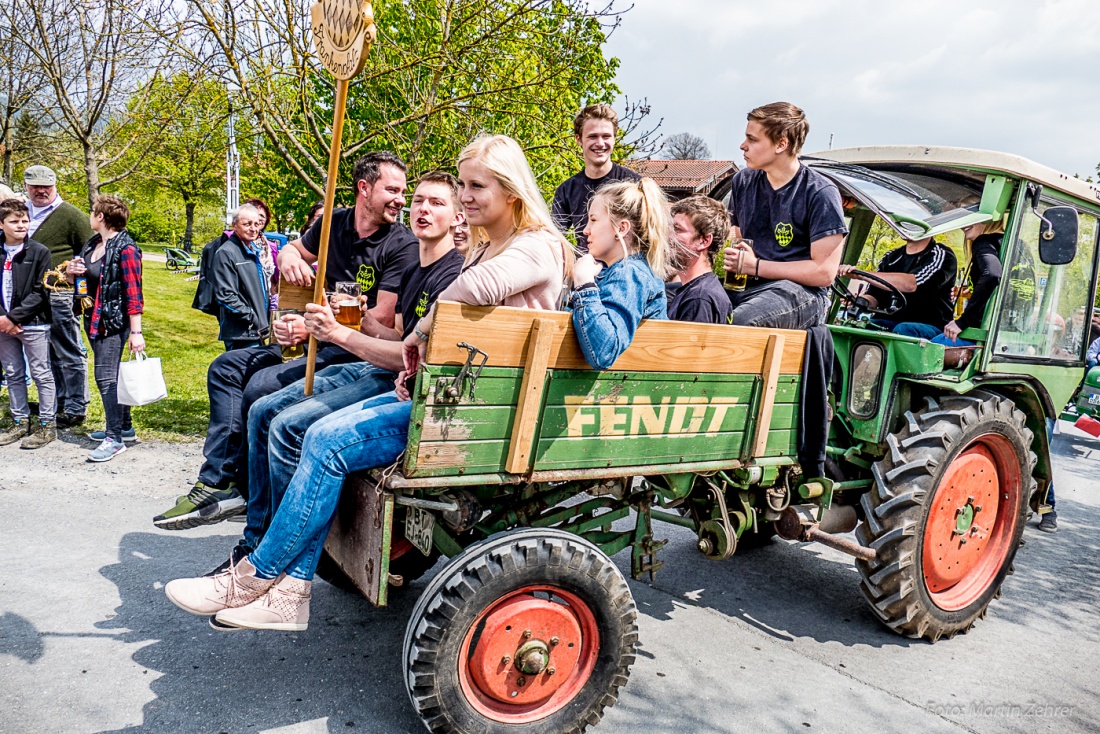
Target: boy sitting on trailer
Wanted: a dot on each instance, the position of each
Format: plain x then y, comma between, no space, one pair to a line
700,225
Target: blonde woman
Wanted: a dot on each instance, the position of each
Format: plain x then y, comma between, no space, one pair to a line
984,272
518,259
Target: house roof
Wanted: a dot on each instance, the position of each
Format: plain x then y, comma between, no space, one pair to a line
694,176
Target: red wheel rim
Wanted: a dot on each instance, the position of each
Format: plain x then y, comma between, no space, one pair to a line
971,522
548,631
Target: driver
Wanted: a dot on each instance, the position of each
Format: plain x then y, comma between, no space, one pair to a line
924,270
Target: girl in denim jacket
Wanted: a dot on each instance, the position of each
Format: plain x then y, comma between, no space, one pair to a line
621,279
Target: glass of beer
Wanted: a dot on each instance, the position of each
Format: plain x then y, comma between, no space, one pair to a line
347,304
734,280
296,350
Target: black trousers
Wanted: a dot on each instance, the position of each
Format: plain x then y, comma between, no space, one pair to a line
234,381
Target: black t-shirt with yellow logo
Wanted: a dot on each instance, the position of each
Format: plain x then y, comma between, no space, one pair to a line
783,222
422,284
377,262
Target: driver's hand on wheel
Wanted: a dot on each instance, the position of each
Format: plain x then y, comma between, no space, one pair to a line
847,271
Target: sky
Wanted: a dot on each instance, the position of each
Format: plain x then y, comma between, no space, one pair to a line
1016,76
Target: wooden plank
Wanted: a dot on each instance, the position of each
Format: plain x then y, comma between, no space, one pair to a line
773,357
468,423
531,392
658,346
294,296
359,539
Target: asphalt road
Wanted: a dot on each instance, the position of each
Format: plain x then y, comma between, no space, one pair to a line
775,640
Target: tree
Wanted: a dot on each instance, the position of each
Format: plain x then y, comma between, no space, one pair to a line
179,126
685,147
21,82
441,72
97,56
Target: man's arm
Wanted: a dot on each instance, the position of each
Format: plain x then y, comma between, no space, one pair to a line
819,271
296,263
383,353
385,309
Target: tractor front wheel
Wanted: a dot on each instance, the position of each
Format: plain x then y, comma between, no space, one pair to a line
946,513
528,631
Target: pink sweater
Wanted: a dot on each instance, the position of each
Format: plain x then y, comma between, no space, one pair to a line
530,273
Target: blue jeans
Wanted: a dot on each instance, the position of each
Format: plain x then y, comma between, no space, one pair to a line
942,339
909,328
277,424
363,436
780,304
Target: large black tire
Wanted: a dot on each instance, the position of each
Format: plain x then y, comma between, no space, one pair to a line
944,451
458,606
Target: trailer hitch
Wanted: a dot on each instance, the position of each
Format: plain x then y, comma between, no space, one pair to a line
449,390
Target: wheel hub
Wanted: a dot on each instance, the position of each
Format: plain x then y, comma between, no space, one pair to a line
955,538
528,648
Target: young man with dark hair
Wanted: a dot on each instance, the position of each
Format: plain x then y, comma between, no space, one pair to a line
700,226
25,327
63,229
793,216
277,423
925,271
367,245
594,128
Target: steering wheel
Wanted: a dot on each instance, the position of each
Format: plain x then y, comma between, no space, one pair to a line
860,305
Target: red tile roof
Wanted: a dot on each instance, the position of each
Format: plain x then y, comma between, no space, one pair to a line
695,176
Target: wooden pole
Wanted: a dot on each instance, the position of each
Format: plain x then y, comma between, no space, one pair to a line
326,218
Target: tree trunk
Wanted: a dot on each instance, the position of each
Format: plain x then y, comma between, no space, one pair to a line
9,140
189,209
91,173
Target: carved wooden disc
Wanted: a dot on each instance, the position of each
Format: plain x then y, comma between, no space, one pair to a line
342,33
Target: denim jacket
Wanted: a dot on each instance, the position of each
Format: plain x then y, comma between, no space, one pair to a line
607,314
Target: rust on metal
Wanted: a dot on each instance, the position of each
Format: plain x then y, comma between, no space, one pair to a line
844,545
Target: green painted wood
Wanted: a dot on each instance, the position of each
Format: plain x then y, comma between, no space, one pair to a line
468,423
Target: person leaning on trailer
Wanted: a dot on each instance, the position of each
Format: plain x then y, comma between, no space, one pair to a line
794,217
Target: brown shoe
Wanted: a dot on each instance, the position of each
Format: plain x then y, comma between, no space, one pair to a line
208,595
14,432
285,607
44,434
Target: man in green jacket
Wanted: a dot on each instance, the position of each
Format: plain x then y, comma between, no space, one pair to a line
63,229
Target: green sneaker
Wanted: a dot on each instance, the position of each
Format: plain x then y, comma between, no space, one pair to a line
202,506
16,431
44,434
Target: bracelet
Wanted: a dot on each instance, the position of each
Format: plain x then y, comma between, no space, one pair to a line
135,332
757,267
420,334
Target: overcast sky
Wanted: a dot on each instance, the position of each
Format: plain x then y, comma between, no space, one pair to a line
1011,75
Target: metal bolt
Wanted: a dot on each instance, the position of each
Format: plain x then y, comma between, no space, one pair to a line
977,508
521,681
550,671
527,634
962,540
505,660
554,640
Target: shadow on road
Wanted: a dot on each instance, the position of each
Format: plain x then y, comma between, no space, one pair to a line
345,668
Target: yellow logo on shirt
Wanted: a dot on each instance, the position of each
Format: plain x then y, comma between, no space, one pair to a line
784,233
422,306
365,277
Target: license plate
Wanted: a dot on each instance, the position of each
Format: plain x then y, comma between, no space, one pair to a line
1094,399
418,528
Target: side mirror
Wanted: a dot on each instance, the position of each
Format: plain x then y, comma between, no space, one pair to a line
1058,235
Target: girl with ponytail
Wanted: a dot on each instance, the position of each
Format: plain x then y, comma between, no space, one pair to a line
621,279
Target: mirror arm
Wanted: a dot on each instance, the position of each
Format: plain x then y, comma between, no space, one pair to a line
1035,191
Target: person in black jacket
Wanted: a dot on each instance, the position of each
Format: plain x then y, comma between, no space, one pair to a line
25,318
984,272
240,285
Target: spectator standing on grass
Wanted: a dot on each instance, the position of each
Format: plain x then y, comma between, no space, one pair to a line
111,262
241,283
25,327
63,229
595,129
268,253
313,215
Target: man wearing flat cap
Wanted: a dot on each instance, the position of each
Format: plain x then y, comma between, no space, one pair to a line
63,229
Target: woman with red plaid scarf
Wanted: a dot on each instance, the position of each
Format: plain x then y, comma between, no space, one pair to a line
112,308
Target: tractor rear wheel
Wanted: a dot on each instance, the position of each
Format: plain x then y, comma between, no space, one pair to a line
946,513
529,631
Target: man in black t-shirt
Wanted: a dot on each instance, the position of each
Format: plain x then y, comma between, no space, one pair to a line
793,216
700,225
595,129
277,423
368,245
924,270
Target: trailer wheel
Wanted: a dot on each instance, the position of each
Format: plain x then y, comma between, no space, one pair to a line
531,630
946,514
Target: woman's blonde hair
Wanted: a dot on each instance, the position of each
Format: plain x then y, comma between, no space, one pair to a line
994,226
506,162
644,207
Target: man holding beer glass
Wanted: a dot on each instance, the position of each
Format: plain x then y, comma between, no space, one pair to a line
788,227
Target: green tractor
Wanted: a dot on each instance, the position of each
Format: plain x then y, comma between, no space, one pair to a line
528,470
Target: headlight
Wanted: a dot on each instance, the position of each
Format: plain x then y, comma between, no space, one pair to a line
863,385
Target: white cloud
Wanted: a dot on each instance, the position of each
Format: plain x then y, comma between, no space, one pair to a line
1011,75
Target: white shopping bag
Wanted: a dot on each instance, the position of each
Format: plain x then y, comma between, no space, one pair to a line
140,380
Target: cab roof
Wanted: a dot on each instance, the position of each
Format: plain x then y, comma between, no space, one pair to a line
987,160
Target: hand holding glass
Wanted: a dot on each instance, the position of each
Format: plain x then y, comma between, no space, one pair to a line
347,304
735,279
